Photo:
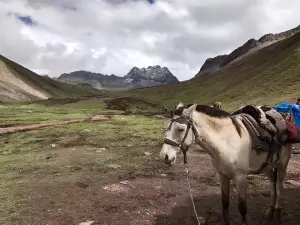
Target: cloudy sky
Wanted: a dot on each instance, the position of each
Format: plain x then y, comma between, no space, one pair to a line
111,36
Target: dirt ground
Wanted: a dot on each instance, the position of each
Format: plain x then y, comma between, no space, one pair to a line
158,196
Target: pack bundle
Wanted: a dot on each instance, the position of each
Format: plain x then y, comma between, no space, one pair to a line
292,112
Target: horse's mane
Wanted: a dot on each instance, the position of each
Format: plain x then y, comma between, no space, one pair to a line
208,110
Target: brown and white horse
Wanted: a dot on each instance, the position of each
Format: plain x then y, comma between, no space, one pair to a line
229,145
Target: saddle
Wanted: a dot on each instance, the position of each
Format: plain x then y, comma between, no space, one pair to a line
266,127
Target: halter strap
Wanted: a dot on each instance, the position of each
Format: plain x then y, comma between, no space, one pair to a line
189,122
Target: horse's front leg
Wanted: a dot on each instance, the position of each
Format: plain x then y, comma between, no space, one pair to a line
225,190
241,187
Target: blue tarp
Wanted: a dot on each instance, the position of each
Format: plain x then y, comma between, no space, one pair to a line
294,109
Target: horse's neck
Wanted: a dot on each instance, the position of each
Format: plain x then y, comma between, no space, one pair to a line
213,136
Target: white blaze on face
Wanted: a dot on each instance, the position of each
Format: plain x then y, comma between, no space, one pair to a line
168,152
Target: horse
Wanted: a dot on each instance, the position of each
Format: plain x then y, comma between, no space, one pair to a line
229,144
217,105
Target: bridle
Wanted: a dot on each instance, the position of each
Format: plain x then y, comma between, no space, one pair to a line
189,122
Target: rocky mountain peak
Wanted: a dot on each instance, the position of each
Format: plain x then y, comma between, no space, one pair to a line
136,77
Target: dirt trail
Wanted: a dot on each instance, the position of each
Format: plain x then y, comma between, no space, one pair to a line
15,129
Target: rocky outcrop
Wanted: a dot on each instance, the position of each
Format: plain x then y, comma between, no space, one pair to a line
137,77
213,64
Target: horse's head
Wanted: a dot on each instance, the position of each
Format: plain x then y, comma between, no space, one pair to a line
178,135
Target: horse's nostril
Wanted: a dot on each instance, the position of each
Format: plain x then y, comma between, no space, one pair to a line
166,157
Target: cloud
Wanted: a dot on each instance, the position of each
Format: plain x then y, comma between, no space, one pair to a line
112,36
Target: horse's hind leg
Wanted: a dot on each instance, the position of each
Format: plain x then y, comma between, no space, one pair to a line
279,186
281,172
241,187
272,175
225,190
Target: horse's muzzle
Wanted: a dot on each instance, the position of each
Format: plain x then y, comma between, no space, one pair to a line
169,161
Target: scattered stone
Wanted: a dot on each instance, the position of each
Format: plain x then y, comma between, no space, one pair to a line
116,188
293,182
86,130
73,149
99,150
163,175
293,148
296,151
124,182
75,168
53,145
81,185
122,118
98,118
160,116
87,222
147,153
49,156
202,220
114,166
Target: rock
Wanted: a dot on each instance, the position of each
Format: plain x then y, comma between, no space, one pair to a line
81,185
99,150
114,166
147,153
293,182
163,175
296,151
53,145
202,220
87,222
49,156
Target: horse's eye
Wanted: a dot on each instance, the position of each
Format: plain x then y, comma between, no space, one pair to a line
180,129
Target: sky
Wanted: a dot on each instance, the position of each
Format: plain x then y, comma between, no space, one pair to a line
111,36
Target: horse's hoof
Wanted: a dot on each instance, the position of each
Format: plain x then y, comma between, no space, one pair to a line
277,216
269,214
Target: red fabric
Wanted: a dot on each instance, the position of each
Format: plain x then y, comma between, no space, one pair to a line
291,129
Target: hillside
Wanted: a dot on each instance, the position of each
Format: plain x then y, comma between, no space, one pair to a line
268,76
18,83
135,78
213,64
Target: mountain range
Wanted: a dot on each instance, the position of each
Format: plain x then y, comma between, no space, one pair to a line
135,78
213,64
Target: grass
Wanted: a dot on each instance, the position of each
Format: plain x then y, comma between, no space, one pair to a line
268,76
29,158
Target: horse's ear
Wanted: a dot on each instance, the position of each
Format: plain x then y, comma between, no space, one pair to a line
180,104
172,113
190,110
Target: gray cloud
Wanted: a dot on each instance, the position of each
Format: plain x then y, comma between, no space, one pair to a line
112,36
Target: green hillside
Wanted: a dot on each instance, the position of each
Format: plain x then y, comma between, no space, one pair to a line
50,87
268,76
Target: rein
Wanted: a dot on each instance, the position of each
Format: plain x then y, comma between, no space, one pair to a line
189,122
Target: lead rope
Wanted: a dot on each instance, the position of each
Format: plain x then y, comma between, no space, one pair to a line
188,182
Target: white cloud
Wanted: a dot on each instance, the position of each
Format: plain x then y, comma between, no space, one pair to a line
112,36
